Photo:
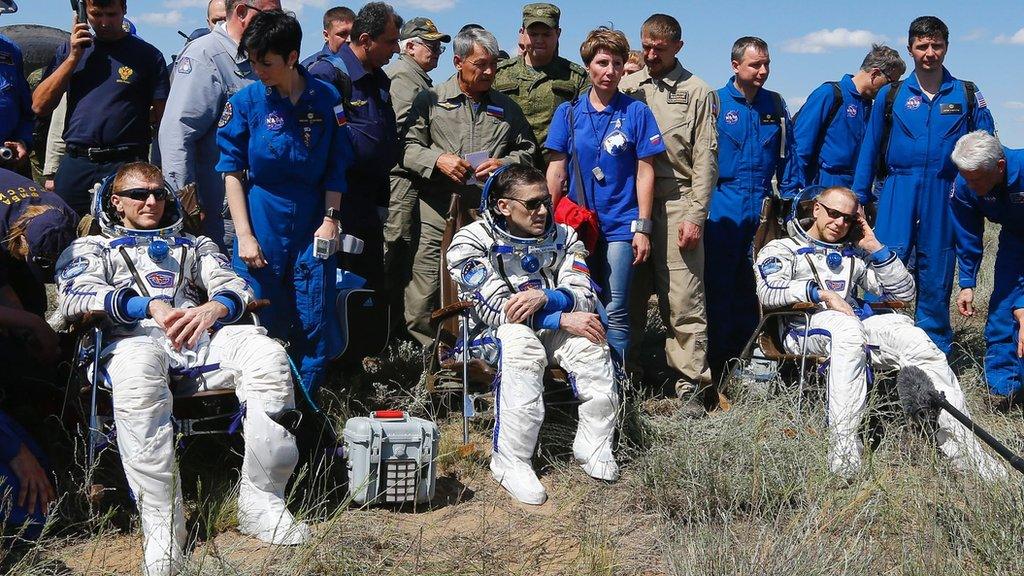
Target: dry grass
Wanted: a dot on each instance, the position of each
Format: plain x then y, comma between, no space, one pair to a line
742,492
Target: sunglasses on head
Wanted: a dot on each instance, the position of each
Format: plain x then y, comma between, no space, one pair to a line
535,203
142,194
833,213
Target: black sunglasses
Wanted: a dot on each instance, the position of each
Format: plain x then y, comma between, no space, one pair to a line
833,213
142,194
534,204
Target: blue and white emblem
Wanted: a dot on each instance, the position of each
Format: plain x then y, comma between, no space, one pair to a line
732,117
74,268
474,274
274,121
851,111
913,103
769,266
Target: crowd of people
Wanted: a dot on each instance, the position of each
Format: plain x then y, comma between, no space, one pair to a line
586,188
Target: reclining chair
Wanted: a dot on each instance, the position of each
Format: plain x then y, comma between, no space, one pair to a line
764,358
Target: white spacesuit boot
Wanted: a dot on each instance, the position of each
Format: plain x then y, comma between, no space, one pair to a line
520,412
145,441
270,458
590,369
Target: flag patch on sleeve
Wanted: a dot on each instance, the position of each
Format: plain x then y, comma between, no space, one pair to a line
339,115
580,266
495,111
656,139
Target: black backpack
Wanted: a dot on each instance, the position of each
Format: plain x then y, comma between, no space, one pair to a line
881,163
819,139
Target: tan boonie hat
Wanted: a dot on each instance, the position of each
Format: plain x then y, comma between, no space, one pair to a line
541,13
422,28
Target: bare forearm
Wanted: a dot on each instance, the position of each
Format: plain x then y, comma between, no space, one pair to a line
645,187
556,176
234,189
49,92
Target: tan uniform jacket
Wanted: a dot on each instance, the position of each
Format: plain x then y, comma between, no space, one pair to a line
685,108
442,120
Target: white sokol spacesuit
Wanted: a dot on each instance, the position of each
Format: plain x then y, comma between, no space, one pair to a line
490,265
794,269
114,272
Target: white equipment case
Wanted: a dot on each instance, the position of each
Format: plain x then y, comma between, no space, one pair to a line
391,458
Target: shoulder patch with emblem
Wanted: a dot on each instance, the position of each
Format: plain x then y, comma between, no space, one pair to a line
770,266
226,115
185,65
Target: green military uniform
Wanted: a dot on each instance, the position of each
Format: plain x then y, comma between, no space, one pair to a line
407,80
685,108
538,91
444,120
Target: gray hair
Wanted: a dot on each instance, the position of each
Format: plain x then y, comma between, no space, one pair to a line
403,44
739,48
977,150
465,40
885,59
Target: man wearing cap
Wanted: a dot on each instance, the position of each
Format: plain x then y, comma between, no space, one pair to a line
15,102
539,80
356,71
685,175
35,227
117,85
455,136
208,72
421,45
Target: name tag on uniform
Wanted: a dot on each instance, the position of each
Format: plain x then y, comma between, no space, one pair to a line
679,97
769,119
951,109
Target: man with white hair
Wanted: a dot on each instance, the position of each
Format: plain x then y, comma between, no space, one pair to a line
991,186
826,263
421,45
458,133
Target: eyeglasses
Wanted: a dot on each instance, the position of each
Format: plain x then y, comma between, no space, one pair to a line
535,203
142,194
833,214
435,47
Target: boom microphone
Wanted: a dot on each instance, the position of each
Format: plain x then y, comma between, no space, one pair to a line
923,402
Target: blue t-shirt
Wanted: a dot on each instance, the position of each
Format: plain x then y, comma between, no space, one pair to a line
112,90
15,98
612,140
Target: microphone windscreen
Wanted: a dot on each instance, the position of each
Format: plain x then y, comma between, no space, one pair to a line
916,393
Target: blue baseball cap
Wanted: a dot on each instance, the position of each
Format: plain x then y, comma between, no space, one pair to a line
48,235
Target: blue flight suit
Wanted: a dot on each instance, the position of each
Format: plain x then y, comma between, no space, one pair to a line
374,132
15,97
324,52
1004,205
293,155
913,201
834,164
749,155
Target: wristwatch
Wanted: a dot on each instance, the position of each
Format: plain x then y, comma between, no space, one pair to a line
641,225
333,214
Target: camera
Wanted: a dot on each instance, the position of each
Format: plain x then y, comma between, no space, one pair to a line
323,248
6,154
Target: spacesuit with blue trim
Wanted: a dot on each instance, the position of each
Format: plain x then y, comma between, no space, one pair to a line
799,269
490,266
119,272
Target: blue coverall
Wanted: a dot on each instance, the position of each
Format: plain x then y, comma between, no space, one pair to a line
1003,205
15,97
294,154
749,156
913,202
834,164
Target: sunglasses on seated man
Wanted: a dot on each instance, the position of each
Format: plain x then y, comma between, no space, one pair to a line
142,194
535,203
833,213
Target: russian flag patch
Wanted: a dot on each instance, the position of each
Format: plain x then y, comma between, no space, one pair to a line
339,115
495,111
656,139
580,266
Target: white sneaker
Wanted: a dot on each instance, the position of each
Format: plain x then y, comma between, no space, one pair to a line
519,479
265,516
607,470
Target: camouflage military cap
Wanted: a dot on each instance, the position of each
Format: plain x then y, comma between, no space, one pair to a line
422,28
541,13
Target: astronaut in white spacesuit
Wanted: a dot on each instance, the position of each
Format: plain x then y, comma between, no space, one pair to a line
534,299
164,290
826,258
